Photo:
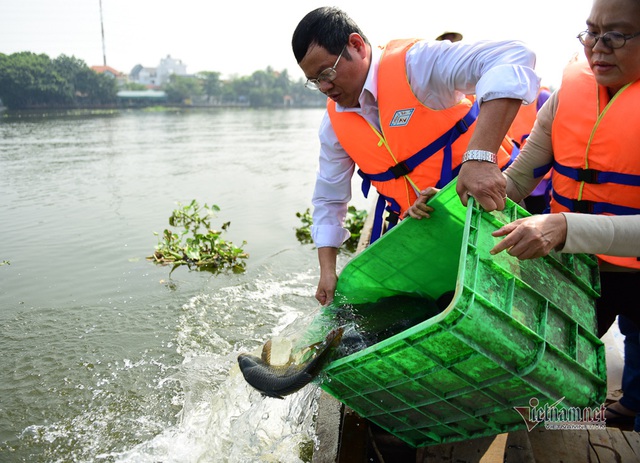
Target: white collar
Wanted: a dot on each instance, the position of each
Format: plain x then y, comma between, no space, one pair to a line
371,84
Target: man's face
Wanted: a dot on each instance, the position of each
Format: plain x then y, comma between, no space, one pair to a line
350,72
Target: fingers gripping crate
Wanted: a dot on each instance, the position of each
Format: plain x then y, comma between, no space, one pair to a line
514,330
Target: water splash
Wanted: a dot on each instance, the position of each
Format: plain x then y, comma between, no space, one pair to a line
222,418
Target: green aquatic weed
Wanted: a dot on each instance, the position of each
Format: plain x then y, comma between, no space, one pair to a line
196,244
354,222
303,233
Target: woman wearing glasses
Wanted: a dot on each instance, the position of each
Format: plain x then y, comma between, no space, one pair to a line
587,132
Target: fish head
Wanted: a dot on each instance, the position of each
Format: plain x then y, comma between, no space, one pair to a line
247,361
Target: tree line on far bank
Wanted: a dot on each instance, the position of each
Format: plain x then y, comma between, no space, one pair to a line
32,81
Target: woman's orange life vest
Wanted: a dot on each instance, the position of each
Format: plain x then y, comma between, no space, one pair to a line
597,161
407,127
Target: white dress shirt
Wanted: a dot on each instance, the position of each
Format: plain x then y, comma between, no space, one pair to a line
440,74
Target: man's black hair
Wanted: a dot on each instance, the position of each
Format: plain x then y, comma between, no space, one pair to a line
328,27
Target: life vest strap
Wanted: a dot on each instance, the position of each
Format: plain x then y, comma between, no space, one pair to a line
514,154
446,139
593,207
378,224
594,176
542,170
366,183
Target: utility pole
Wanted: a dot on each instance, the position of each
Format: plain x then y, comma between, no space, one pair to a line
104,53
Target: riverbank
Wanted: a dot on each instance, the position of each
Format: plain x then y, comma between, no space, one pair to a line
6,113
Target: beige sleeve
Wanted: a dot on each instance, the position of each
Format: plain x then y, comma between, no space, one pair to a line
593,234
603,234
537,152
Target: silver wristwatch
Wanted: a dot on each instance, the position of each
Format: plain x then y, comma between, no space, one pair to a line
480,155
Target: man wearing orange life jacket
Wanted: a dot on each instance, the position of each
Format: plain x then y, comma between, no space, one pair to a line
586,133
415,148
338,60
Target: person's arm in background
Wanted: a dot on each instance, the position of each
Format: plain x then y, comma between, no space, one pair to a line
501,75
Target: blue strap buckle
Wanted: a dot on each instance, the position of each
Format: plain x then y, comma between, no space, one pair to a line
588,175
462,126
583,206
400,169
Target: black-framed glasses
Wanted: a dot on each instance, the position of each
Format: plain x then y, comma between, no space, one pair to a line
611,39
328,75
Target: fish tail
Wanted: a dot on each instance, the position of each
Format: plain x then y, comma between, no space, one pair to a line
331,342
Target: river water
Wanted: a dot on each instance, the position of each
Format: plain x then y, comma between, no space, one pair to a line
108,357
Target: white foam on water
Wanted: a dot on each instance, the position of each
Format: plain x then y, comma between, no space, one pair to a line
223,419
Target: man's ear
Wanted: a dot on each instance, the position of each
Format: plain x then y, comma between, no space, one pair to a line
356,41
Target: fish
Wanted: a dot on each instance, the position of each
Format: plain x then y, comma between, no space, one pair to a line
278,381
356,327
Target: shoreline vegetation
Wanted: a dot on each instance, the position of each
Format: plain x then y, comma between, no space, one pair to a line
30,81
44,112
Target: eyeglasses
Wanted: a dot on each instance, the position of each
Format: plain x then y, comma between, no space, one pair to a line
611,39
328,75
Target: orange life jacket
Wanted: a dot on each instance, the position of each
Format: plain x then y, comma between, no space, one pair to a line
597,162
523,122
408,127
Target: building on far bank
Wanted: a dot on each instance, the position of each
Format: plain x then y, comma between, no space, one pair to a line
160,75
144,76
169,66
108,71
120,77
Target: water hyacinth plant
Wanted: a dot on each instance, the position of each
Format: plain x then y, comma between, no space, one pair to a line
196,244
354,222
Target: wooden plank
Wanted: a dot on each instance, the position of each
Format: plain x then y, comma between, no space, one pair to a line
518,448
564,446
353,438
614,348
620,447
387,448
633,439
471,451
539,446
495,452
602,445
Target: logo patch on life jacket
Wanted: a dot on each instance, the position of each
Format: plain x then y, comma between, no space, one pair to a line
401,117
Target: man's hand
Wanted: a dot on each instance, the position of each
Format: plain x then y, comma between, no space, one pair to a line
326,288
485,182
533,236
420,208
327,256
481,179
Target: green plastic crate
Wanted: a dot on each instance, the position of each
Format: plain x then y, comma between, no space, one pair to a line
515,330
